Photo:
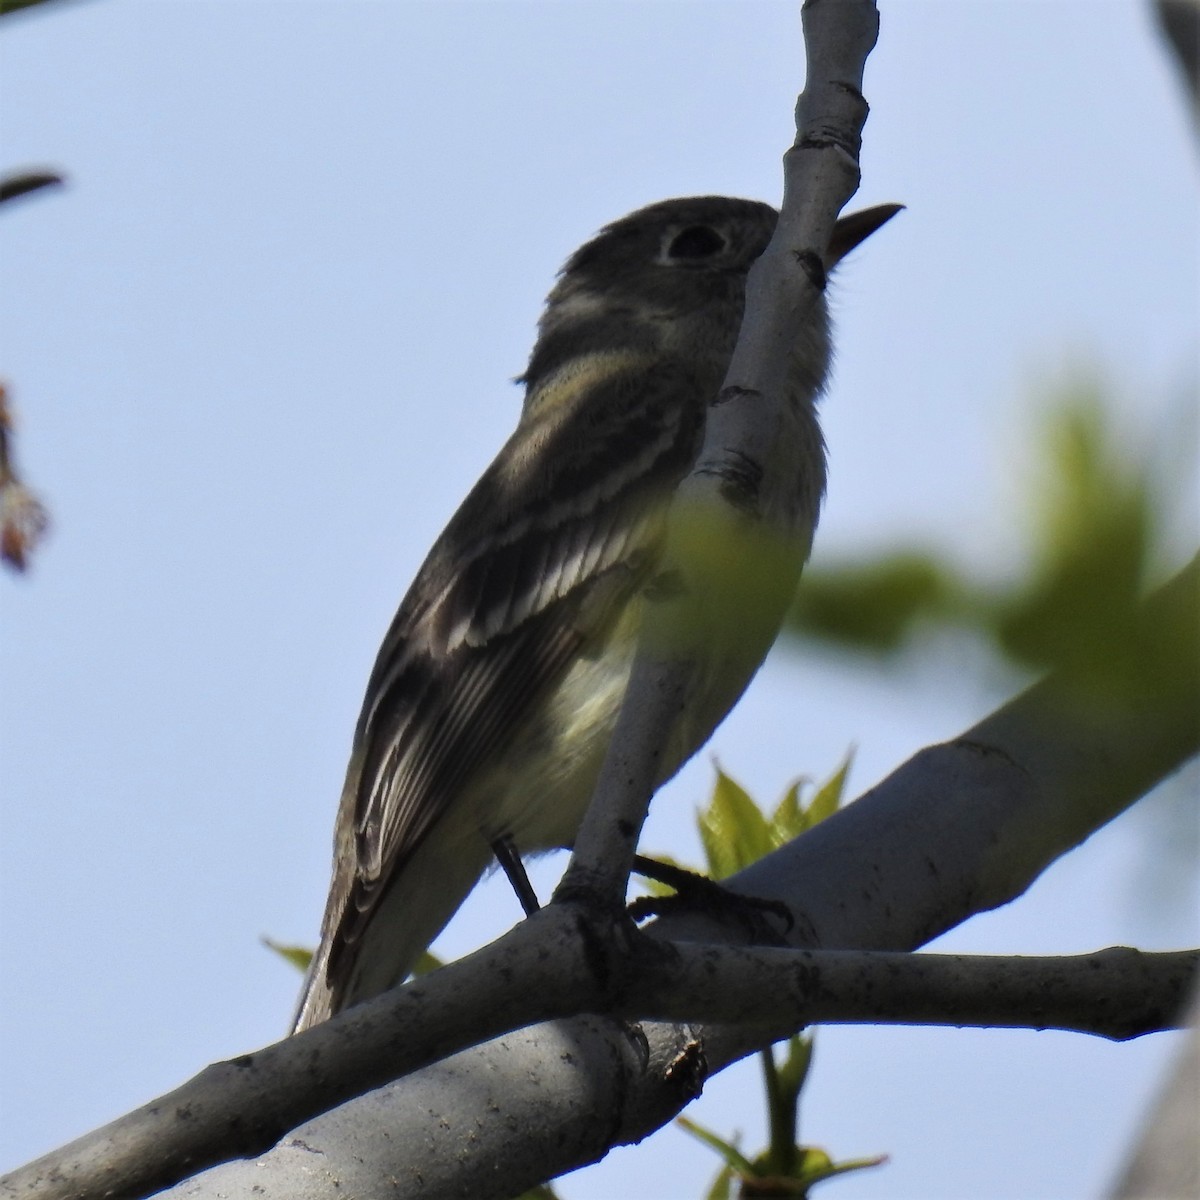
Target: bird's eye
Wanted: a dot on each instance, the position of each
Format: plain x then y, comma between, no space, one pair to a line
696,241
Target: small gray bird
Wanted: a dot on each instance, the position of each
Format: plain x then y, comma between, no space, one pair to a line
497,687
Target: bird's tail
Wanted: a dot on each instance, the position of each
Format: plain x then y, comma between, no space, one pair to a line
316,996
422,897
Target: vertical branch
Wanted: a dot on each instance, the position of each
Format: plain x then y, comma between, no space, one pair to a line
821,174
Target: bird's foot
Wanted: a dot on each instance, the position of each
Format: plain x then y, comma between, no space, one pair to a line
698,893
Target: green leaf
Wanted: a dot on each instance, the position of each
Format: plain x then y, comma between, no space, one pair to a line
794,1070
827,800
301,956
785,1169
1100,500
426,963
813,1166
876,605
298,956
733,830
727,1150
1094,533
788,814
792,818
720,1185
816,1165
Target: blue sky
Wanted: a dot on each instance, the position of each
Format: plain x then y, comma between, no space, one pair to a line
261,347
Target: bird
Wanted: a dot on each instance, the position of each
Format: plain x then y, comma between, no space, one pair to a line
495,692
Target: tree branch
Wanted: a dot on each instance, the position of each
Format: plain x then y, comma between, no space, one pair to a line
24,182
1118,993
969,825
919,853
554,1082
959,828
820,175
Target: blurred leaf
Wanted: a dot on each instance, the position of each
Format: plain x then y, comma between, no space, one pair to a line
876,605
813,1166
818,1165
757,1178
426,963
794,1070
1093,524
301,956
727,1150
1099,504
783,1107
298,956
791,818
720,1184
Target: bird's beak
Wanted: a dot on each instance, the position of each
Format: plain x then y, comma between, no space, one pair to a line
856,228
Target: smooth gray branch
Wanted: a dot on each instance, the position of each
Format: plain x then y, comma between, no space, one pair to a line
960,828
820,175
1108,992
1117,993
553,966
922,851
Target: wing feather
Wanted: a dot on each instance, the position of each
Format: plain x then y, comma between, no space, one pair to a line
545,550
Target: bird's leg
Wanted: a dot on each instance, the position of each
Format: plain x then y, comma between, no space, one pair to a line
678,878
509,858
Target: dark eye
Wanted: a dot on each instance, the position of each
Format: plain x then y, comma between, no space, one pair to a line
696,241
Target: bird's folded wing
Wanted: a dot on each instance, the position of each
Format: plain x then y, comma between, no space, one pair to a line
543,553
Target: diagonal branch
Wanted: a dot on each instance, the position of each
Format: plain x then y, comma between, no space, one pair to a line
245,1105
922,851
960,828
552,1083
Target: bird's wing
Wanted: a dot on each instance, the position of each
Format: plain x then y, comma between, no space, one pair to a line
558,532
